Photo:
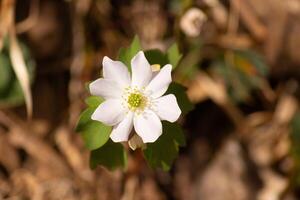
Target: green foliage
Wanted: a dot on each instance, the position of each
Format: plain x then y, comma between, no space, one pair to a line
93,101
111,155
154,56
126,54
243,73
96,138
162,153
11,93
256,59
94,134
295,147
180,92
6,72
159,154
296,129
188,65
174,55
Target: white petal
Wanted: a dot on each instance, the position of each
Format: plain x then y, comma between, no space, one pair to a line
166,107
148,126
121,131
116,71
160,83
141,70
110,112
105,88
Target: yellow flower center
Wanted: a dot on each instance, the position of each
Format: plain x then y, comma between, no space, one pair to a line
136,101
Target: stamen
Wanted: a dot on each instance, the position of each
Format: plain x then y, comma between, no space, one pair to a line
135,99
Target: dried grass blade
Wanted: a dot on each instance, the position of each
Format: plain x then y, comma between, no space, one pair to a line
20,69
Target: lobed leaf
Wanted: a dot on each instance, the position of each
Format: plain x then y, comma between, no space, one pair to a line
93,101
163,152
111,155
155,56
180,92
94,133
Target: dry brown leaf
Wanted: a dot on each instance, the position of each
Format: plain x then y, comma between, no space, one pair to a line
8,156
20,69
38,149
16,56
206,87
226,178
274,185
26,182
218,12
235,41
148,190
6,18
285,110
5,188
72,154
130,188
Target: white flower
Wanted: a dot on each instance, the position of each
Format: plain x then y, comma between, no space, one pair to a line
192,21
136,100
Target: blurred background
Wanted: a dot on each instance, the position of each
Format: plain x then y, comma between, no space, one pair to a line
240,65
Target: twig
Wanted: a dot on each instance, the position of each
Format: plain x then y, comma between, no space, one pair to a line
72,154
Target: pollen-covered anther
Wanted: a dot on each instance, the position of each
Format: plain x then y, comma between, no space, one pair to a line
136,101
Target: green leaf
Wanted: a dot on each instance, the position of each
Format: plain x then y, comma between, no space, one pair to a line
295,147
174,55
155,56
111,155
295,131
123,55
126,54
243,75
180,92
6,73
94,101
84,118
94,133
189,63
163,152
256,59
135,45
